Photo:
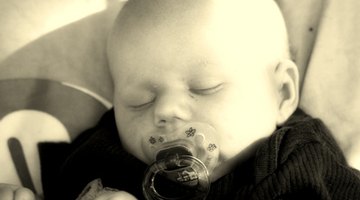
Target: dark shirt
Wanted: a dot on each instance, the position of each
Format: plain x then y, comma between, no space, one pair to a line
299,160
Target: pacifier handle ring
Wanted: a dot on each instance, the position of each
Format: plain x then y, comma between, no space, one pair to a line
149,189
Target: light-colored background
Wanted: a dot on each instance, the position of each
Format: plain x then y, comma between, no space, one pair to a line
64,41
58,40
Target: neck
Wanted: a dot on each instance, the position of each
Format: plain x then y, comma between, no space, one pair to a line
226,166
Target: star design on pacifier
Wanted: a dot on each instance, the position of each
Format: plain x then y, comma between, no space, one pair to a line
190,132
152,140
211,147
161,139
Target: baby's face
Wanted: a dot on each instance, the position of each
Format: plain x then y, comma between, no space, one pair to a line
169,77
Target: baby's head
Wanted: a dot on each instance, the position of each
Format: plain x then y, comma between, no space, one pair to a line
221,62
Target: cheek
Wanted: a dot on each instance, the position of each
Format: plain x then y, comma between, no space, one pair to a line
128,122
241,119
133,128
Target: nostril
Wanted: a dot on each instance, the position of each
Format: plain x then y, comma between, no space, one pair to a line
161,123
169,108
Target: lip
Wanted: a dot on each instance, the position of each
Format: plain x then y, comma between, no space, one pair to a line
172,150
176,147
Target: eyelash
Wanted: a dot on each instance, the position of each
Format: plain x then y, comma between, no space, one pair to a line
207,91
141,106
203,92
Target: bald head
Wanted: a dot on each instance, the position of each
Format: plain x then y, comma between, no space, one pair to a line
227,26
180,61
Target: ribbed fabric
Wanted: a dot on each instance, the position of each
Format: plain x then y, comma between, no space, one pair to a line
299,160
302,160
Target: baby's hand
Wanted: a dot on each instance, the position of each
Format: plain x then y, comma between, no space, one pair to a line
14,192
95,191
115,195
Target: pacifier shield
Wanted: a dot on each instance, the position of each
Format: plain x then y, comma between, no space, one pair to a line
182,163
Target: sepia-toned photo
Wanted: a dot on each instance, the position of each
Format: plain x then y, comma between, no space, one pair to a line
179,100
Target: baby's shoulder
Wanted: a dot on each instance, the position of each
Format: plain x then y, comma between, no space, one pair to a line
304,133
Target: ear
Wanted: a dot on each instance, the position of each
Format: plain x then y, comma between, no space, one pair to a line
287,83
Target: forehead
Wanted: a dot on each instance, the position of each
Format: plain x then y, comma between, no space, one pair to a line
168,31
223,17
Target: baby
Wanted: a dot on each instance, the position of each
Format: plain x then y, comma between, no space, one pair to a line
222,63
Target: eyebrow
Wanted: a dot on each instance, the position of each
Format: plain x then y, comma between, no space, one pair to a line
206,63
201,62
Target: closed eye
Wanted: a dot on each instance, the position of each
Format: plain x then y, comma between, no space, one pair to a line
142,105
207,91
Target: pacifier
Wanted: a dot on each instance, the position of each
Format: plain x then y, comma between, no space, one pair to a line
183,161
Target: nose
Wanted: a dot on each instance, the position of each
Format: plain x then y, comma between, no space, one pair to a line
171,110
